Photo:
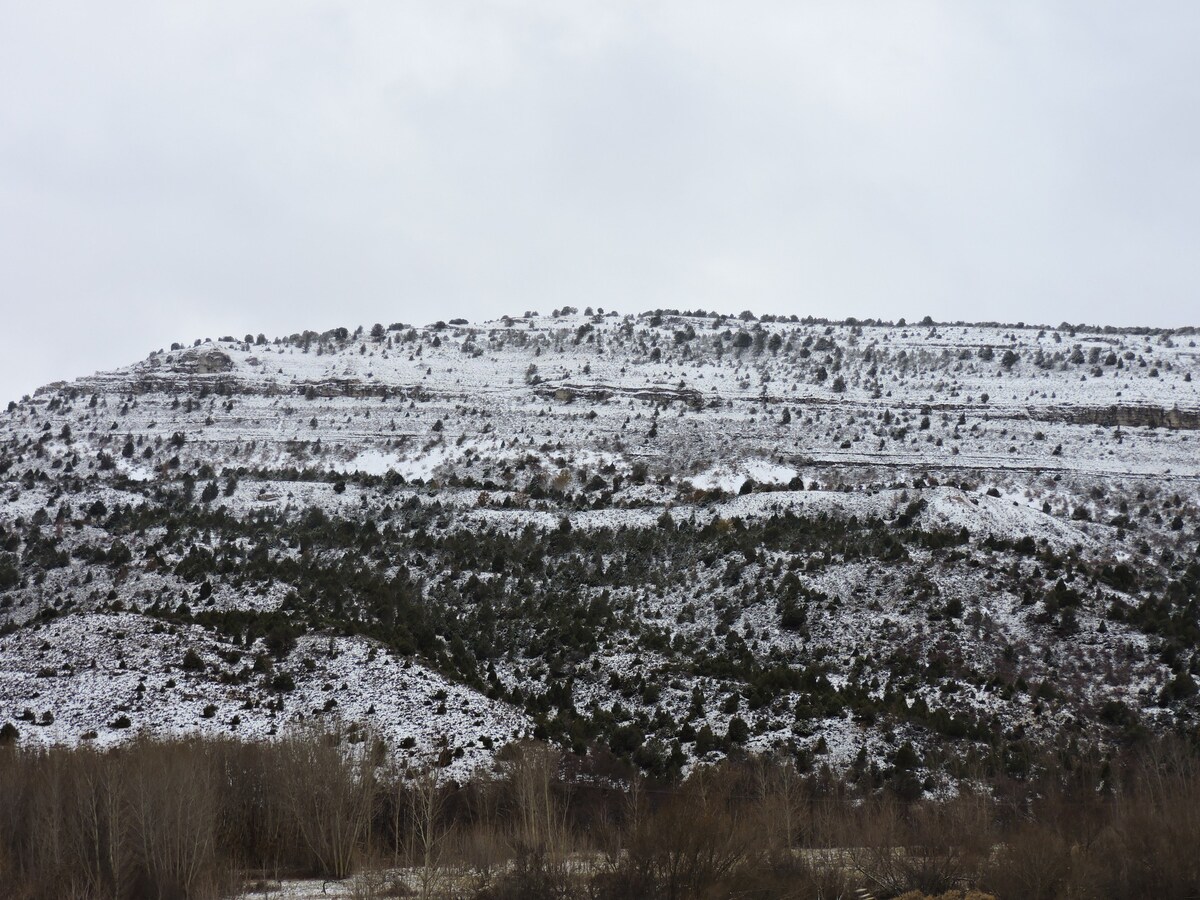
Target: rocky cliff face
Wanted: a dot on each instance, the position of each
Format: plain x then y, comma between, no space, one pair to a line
658,537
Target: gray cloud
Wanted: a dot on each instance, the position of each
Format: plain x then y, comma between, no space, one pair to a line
172,171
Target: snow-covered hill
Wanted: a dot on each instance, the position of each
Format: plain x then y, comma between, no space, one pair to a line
635,535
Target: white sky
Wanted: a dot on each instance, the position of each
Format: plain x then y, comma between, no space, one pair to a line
173,170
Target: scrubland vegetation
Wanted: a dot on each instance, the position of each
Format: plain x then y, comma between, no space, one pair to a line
200,819
671,605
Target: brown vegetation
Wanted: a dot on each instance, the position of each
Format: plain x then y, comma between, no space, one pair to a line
196,819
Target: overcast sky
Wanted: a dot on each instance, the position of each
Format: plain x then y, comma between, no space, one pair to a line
171,170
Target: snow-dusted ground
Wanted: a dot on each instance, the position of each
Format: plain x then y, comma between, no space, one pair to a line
90,671
1087,442
375,406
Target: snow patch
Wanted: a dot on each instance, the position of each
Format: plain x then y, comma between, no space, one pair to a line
730,479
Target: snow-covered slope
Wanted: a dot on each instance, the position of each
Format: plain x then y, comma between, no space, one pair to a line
620,529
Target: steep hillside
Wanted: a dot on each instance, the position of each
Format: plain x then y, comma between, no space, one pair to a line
653,538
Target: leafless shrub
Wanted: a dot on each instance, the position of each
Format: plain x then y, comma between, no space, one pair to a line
927,847
142,823
173,812
1135,839
328,795
429,829
539,839
187,819
694,841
